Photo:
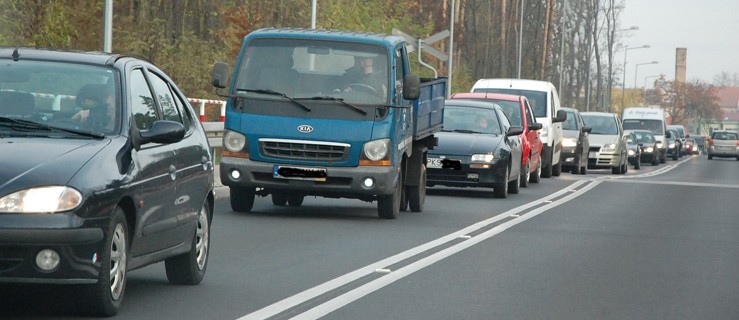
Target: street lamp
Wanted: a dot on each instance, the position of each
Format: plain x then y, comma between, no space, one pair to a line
636,70
632,28
623,83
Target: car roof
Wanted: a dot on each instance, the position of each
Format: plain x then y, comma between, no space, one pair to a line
486,95
471,103
524,84
570,110
597,113
94,58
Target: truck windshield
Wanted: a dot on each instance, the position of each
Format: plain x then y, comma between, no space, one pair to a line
655,126
351,72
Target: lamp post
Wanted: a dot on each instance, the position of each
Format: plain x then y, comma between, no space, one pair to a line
520,41
623,83
644,92
636,70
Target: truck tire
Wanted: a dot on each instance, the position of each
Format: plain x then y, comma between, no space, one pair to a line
279,199
242,199
416,195
388,206
294,200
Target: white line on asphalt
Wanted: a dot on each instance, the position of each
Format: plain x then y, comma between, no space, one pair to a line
680,183
353,295
318,290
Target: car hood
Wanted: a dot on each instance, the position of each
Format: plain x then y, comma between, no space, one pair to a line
454,143
602,139
29,162
571,133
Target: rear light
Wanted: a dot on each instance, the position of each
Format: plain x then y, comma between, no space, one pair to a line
710,142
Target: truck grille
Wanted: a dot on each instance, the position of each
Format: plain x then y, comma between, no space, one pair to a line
304,150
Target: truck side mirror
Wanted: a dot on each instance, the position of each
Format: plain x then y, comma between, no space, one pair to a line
561,116
411,87
219,79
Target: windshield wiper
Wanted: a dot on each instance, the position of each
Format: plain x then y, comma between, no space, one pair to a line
275,93
25,125
339,100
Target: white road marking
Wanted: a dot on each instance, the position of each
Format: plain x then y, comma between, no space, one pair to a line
357,293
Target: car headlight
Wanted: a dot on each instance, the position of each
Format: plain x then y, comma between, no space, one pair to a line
49,199
487,158
569,142
659,145
608,148
376,150
671,145
234,141
649,149
632,152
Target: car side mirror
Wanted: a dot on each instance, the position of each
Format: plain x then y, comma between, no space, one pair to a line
219,78
535,126
687,136
561,116
586,129
514,131
668,134
411,87
163,131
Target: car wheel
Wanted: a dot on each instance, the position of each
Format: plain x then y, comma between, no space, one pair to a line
388,206
557,169
189,268
655,161
625,167
525,175
417,194
501,191
675,155
546,171
515,186
295,200
242,199
104,298
584,170
279,199
637,164
710,157
536,177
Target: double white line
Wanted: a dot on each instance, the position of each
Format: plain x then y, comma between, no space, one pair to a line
466,238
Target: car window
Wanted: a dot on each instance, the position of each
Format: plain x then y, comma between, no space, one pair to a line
512,111
165,97
143,108
529,112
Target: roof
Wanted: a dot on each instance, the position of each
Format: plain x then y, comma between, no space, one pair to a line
523,84
24,53
322,34
486,95
728,97
471,103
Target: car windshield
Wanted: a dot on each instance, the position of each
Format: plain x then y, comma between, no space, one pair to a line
58,95
471,119
655,126
605,125
644,137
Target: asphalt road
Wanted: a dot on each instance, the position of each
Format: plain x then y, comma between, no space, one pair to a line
656,243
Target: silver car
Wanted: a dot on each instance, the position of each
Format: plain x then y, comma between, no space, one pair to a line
607,148
723,143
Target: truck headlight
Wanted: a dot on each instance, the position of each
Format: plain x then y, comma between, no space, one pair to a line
234,141
569,142
487,158
377,150
49,199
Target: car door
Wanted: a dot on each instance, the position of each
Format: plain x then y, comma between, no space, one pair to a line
532,135
191,155
583,142
154,183
515,144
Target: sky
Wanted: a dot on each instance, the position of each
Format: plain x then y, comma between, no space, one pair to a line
709,29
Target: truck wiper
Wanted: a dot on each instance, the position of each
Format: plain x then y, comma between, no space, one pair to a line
275,93
20,124
340,100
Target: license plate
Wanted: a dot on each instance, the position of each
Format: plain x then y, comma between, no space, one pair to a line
433,163
299,173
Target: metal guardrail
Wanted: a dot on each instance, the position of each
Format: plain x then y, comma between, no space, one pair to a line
214,131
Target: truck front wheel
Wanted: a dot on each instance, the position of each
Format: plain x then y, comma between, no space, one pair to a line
388,206
242,199
417,194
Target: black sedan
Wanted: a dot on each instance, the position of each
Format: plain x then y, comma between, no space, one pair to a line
105,169
647,143
478,147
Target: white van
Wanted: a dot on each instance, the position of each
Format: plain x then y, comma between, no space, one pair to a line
652,119
543,97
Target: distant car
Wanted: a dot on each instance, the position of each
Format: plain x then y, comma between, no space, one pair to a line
674,145
519,113
682,135
648,145
724,144
105,169
689,146
607,147
700,144
575,143
633,149
471,155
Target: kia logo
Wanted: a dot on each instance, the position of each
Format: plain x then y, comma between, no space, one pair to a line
305,128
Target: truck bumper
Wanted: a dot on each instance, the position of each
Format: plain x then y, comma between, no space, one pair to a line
342,182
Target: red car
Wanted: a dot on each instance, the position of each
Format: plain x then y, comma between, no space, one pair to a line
519,113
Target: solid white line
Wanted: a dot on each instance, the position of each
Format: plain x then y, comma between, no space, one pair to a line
318,290
353,295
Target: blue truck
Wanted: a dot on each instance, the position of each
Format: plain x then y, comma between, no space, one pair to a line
327,113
